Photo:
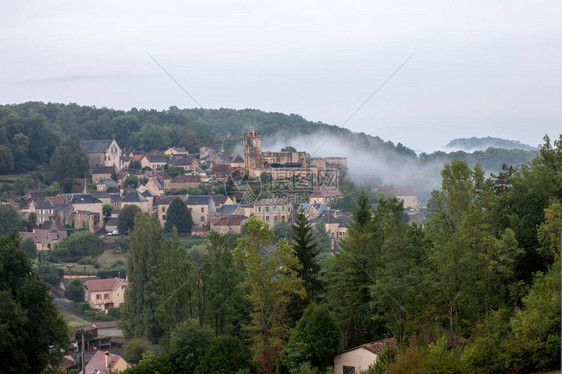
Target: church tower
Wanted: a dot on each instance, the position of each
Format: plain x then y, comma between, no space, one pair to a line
252,150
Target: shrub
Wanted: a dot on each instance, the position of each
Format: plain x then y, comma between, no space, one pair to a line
114,312
88,260
134,349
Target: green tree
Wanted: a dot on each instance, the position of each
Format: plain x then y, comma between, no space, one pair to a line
189,344
177,285
29,247
141,296
135,165
126,218
81,245
306,251
134,349
34,335
351,274
178,216
322,239
226,355
221,279
49,273
132,181
75,291
315,340
107,209
271,281
6,160
10,219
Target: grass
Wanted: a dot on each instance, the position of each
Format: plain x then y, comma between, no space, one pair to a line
71,319
109,257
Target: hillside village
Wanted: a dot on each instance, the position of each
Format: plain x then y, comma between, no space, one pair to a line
119,178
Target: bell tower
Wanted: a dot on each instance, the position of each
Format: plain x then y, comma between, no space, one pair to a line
252,150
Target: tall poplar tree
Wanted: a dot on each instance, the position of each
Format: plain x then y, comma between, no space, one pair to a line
141,296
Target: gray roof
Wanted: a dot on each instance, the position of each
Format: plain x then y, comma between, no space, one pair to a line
227,210
96,146
155,158
103,170
148,193
198,200
166,199
43,204
62,207
83,198
134,197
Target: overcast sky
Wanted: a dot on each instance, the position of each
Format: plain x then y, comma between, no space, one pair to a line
479,68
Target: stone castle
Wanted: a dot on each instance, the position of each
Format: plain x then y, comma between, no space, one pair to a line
287,164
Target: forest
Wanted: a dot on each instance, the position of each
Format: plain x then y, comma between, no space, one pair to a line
477,289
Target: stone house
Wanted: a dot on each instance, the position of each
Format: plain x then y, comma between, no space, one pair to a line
202,207
186,162
176,151
102,172
87,209
43,209
184,181
231,224
155,161
358,359
325,195
41,238
103,294
136,198
270,211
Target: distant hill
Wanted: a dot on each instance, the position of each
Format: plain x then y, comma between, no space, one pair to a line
481,144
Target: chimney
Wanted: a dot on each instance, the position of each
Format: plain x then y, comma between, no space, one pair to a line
106,359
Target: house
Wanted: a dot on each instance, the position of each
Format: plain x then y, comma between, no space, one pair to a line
183,161
65,281
103,294
270,211
111,224
105,363
222,200
336,225
155,185
176,151
149,195
136,198
102,172
102,153
63,213
87,209
235,161
358,359
210,150
153,161
231,224
41,238
222,171
55,228
105,184
312,211
325,195
184,181
200,231
43,209
402,192
202,207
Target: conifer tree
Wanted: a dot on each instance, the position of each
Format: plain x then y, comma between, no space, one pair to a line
179,216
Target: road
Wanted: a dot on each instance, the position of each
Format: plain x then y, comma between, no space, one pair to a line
67,305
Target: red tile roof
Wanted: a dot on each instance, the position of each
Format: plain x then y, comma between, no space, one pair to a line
97,363
103,284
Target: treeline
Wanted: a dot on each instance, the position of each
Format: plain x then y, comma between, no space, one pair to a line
31,131
475,290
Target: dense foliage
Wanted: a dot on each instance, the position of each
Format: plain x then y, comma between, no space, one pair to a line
178,216
34,335
477,288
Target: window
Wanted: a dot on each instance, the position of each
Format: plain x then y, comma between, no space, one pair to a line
348,369
267,209
267,218
259,209
275,209
163,209
202,218
202,210
98,296
283,208
106,296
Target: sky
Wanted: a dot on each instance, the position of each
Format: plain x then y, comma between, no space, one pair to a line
476,68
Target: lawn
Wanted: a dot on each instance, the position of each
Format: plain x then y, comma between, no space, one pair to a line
109,257
71,319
